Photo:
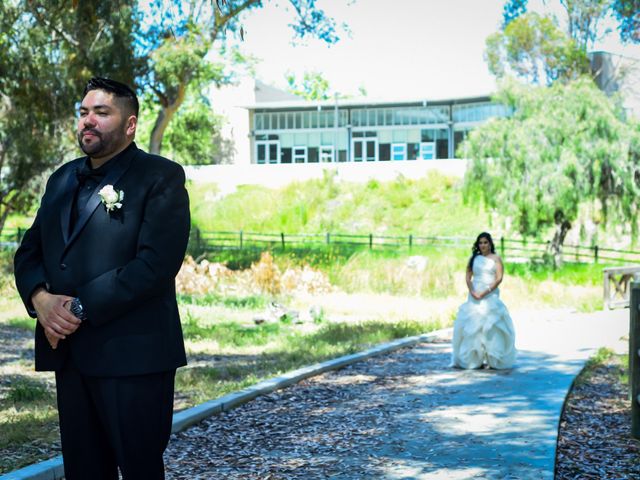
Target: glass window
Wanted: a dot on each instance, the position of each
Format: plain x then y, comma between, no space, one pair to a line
282,121
342,156
413,151
371,150
399,151
442,148
326,153
427,150
385,152
357,151
299,154
262,153
273,152
258,121
285,155
312,155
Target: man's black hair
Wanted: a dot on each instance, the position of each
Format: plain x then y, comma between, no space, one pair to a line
118,89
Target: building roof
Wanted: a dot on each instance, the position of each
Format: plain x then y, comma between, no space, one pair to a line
359,102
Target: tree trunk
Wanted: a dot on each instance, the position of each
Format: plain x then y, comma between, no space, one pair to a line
554,250
163,119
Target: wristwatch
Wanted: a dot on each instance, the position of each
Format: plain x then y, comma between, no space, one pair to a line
77,310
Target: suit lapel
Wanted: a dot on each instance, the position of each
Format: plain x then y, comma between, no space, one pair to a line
110,178
68,194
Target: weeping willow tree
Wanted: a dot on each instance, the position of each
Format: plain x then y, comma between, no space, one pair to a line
563,147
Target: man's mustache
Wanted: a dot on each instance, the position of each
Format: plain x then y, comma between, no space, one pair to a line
91,131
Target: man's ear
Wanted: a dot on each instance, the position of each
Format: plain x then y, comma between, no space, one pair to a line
132,124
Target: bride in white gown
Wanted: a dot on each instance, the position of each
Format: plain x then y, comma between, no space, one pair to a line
483,332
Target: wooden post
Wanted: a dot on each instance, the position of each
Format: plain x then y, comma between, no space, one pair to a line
241,239
198,242
282,239
634,359
410,241
595,253
328,238
370,241
502,247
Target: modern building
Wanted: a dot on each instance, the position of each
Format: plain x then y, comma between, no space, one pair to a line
289,130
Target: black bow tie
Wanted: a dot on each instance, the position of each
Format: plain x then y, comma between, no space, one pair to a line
84,173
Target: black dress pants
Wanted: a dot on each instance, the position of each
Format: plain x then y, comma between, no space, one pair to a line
108,423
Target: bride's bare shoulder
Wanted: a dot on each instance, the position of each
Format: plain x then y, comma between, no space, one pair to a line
495,257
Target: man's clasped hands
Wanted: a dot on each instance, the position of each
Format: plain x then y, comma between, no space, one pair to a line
54,315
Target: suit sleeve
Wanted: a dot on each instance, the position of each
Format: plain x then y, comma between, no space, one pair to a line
162,243
28,265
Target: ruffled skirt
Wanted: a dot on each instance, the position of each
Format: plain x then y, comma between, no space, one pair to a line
483,334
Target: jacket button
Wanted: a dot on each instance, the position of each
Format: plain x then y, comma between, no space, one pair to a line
63,266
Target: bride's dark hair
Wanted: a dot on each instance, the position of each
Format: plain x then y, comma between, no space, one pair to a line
475,250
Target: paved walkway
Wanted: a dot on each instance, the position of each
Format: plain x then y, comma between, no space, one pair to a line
407,415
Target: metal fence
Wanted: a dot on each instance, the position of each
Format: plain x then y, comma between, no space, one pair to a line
510,249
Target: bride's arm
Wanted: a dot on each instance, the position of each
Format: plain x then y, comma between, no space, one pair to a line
470,284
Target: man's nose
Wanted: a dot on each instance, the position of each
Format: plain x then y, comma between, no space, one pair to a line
88,120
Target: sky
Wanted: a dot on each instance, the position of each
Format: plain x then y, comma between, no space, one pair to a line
397,49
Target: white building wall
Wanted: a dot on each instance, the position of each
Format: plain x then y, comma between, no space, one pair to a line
228,101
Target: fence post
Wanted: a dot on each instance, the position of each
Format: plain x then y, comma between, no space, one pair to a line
328,238
19,235
595,253
634,358
282,239
198,241
241,235
502,247
410,241
370,241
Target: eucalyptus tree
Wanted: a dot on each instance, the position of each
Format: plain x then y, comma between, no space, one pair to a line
48,49
181,36
564,147
533,48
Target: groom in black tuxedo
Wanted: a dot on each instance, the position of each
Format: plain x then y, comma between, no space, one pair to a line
97,268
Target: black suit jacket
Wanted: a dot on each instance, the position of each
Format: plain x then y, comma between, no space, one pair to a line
121,264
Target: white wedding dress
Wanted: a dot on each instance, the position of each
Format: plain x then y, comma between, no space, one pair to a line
483,332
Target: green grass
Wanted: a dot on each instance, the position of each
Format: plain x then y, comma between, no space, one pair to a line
285,350
27,391
23,323
230,333
422,207
250,302
567,274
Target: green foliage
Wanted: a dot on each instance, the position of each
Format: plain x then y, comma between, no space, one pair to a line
534,48
48,50
512,9
180,37
312,86
25,390
399,207
626,12
564,146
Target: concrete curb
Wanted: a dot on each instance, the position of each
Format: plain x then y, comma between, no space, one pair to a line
52,469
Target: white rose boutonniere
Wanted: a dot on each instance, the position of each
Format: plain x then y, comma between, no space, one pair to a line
111,198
